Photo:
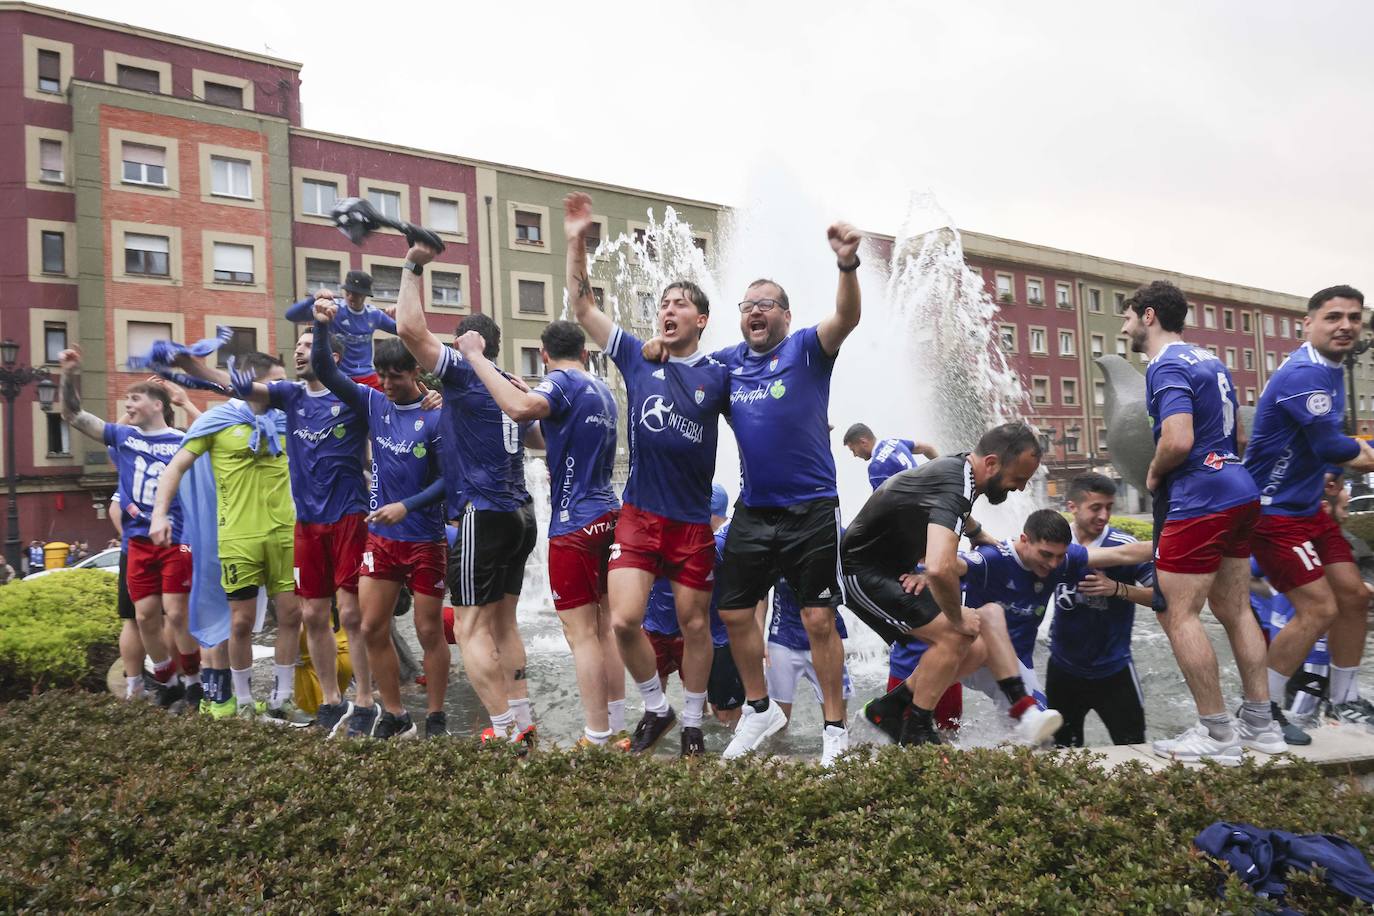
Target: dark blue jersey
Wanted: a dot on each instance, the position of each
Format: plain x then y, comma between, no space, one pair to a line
892,456
995,574
1090,636
673,412
325,445
141,458
480,442
1302,405
1182,379
354,328
782,397
579,438
785,625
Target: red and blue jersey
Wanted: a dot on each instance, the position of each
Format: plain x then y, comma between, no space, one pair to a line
354,328
785,625
1183,379
325,443
892,456
481,444
1298,418
996,574
782,396
141,458
673,419
1090,635
579,437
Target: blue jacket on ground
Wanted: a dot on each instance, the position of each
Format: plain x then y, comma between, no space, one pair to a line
1261,858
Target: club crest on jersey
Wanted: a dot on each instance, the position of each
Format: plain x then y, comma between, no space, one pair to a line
333,410
1214,461
773,364
1319,404
419,425
700,394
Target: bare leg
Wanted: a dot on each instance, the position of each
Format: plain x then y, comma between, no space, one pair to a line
148,612
629,595
610,653
996,640
324,651
176,607
377,600
746,648
1182,623
131,649
506,632
429,629
1347,634
827,656
941,663
242,615
581,626
351,619
698,651
287,650
1230,604
482,656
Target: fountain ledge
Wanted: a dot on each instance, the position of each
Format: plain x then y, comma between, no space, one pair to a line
1336,750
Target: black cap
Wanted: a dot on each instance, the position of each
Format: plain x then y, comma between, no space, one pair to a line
358,281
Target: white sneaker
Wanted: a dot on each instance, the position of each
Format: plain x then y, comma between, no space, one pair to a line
1196,745
1036,725
753,728
1267,739
835,741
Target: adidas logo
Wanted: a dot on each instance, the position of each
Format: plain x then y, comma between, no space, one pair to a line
824,594
738,370
658,373
556,596
711,576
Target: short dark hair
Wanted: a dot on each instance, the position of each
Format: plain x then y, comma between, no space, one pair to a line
1047,525
336,341
1009,441
1168,301
857,431
157,393
257,363
1090,483
695,294
484,325
782,293
389,354
1321,297
563,339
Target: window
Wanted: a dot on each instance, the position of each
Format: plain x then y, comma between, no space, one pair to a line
245,340
319,197
54,252
1099,344
140,78
593,238
1007,333
1297,329
1121,347
1066,345
599,294
388,203
59,435
700,243
143,334
448,288
1228,320
1068,392
1035,292
1249,356
231,177
145,164
233,263
1119,302
386,282
50,161
1230,357
1099,393
642,238
1269,361
1245,322
528,230
1249,395
49,71
1040,389
531,296
1192,316
1209,316
1268,325
54,340
146,255
1211,348
531,364
1102,438
220,94
1284,328
1063,295
321,273
443,215
1094,300
1037,341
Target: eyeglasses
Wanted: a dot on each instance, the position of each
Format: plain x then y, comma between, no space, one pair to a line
763,305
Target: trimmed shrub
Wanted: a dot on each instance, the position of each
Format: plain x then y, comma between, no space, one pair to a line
1361,524
119,807
1138,528
58,630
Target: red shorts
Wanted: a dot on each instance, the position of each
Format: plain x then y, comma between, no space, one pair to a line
371,380
419,564
577,563
667,652
1295,550
682,552
327,556
154,570
1195,546
949,710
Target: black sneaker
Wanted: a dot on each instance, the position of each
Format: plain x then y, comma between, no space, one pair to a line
393,726
882,716
436,725
919,730
168,694
363,722
331,717
651,727
1292,735
195,692
693,742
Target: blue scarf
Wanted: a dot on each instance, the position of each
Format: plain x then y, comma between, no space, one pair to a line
164,353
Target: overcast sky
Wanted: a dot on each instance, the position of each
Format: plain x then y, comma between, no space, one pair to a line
1226,139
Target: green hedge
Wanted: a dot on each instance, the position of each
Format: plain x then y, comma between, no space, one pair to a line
60,629
1361,524
119,807
1137,528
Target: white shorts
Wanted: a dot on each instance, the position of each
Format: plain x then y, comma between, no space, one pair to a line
786,667
983,681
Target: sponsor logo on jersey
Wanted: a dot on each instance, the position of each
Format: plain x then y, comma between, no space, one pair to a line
777,389
340,432
1214,461
398,447
657,415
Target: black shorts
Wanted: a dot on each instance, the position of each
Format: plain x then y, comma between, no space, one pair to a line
800,543
724,689
1116,698
126,604
487,561
880,601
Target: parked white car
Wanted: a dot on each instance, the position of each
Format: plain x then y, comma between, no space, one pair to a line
107,561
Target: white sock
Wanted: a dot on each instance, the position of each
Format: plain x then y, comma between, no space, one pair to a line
1278,686
243,684
133,687
615,710
692,707
283,684
597,738
1344,684
524,715
652,692
503,724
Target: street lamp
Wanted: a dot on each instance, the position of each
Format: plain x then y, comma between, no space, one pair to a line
13,379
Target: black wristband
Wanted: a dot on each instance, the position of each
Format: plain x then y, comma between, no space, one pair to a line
851,268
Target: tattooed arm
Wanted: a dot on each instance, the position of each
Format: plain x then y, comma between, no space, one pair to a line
577,218
78,419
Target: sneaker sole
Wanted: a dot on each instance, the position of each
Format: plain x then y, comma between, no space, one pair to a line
1221,759
731,754
1049,724
1266,748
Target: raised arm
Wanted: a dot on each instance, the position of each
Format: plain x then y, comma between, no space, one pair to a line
520,406
577,219
422,343
300,312
844,241
70,363
177,395
323,365
924,448
160,526
383,321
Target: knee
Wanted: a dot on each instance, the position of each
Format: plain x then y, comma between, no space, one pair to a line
350,616
695,627
241,626
377,628
819,623
1322,616
625,627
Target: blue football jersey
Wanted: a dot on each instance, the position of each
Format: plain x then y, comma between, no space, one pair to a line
892,456
579,438
325,445
1090,635
354,328
406,444
480,442
785,625
140,459
995,574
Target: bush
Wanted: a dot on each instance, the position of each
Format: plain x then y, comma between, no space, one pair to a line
1361,524
1138,528
120,807
60,629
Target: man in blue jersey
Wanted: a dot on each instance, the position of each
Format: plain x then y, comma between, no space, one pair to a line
1090,667
405,523
673,412
1203,545
1297,437
353,324
496,531
577,413
158,577
888,457
789,651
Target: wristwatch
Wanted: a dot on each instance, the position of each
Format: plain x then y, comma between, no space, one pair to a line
414,268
